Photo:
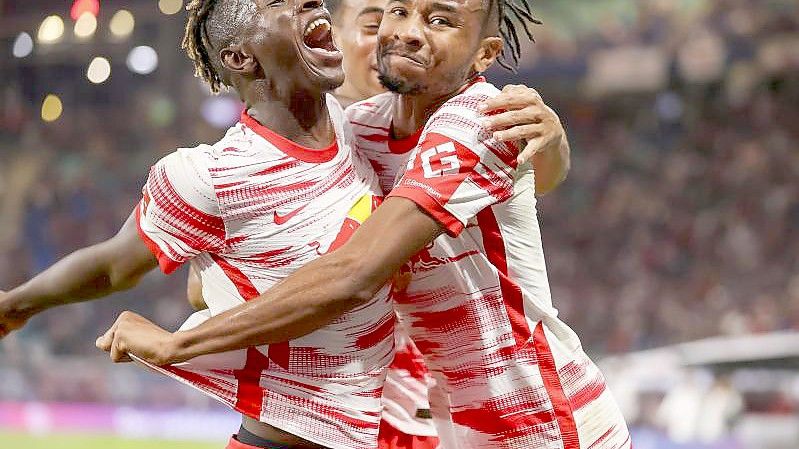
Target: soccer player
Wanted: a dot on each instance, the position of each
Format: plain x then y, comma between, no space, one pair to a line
280,188
406,417
508,372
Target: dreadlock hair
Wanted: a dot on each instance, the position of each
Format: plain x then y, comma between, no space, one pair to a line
511,13
212,25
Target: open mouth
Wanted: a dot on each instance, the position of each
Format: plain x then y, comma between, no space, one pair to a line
318,35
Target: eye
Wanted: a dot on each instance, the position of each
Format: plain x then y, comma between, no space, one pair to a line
398,11
276,3
440,21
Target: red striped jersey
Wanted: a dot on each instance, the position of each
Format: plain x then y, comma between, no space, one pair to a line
507,373
247,212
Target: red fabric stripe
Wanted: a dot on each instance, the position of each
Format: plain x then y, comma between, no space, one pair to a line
236,444
249,394
188,219
549,374
293,149
165,263
392,438
511,293
243,284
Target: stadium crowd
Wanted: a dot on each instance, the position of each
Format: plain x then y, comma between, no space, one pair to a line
678,221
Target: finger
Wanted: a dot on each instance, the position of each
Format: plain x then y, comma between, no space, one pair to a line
508,119
512,99
119,352
526,132
105,341
530,150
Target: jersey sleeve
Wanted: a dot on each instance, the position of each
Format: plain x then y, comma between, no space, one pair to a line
458,169
178,216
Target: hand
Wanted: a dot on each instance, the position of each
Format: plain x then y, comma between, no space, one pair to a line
521,114
136,335
11,318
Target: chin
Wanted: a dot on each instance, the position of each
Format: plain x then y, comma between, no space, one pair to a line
401,85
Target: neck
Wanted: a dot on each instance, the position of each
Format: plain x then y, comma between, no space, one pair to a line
298,115
412,111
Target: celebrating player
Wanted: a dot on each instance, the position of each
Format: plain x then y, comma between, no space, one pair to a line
264,200
508,372
270,196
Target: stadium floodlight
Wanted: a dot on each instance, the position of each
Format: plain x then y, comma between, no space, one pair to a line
23,45
170,7
142,60
52,108
51,30
86,25
99,70
122,23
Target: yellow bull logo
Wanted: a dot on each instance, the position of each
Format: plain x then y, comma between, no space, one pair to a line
359,212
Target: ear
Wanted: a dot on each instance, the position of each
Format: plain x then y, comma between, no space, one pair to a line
490,48
236,59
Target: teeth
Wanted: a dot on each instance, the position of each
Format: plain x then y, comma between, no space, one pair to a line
316,23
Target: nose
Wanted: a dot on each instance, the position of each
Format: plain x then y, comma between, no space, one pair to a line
311,4
410,33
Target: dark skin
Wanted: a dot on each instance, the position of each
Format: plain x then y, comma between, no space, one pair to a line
324,289
98,271
289,99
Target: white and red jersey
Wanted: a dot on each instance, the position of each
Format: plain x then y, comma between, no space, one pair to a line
247,212
507,372
405,393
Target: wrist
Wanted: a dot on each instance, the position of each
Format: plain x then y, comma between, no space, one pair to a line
178,348
20,304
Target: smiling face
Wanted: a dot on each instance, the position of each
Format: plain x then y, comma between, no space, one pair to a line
356,23
434,46
288,41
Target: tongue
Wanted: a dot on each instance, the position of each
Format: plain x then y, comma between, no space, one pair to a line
320,37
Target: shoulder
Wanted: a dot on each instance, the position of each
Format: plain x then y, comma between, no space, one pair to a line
377,108
460,117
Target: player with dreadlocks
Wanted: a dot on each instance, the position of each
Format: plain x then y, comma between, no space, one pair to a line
460,226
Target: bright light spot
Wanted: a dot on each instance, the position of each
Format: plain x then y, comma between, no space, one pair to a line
23,45
51,108
81,7
51,29
99,70
221,111
142,60
86,25
122,23
170,7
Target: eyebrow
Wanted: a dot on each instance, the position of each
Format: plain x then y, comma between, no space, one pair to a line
444,7
370,10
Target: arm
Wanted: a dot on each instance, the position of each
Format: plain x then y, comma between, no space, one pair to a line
194,290
519,113
114,265
312,297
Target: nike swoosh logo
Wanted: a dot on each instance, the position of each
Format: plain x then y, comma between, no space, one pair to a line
281,220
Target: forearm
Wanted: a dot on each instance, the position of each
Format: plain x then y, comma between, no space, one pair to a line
311,298
321,291
93,272
551,167
81,276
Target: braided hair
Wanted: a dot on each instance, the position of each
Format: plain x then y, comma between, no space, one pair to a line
513,13
211,25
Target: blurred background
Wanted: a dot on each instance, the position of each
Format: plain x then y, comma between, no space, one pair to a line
672,248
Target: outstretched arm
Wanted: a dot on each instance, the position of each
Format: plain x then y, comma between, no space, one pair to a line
520,114
93,272
312,297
